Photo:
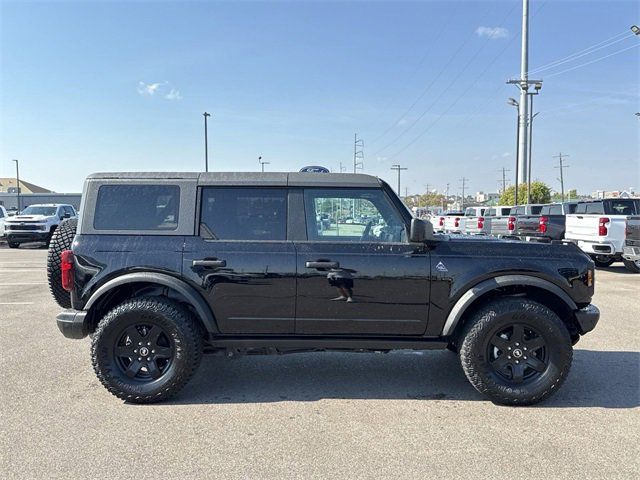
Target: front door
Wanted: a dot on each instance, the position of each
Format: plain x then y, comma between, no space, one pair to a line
242,261
357,273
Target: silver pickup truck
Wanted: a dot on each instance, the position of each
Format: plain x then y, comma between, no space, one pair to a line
505,227
631,249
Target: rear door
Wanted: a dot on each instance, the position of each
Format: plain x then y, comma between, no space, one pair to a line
242,260
357,273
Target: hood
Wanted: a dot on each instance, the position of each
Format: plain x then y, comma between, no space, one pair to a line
29,218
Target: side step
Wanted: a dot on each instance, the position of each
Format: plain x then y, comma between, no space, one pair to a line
277,345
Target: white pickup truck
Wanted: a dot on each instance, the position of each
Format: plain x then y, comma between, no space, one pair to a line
3,217
36,223
473,221
599,228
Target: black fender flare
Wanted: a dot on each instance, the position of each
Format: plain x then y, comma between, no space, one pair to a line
485,286
199,304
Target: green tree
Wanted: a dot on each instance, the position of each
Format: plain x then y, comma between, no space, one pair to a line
557,196
540,193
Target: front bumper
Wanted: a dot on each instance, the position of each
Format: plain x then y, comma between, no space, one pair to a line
631,253
73,323
587,318
18,236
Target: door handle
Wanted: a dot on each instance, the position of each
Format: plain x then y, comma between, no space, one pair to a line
323,264
209,263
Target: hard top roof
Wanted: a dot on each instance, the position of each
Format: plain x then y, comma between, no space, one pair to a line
298,179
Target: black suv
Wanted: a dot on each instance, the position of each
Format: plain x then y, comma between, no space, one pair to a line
164,267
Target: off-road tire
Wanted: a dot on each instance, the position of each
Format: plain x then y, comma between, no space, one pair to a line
504,313
181,330
60,240
597,259
632,266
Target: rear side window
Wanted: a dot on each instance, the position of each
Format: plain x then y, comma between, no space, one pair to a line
622,207
594,208
491,212
137,207
244,213
555,210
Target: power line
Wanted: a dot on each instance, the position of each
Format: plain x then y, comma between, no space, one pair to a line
487,68
592,61
594,48
433,81
445,26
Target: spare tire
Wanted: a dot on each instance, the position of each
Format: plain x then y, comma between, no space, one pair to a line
60,241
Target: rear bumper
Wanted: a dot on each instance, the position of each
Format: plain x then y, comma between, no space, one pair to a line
73,323
595,248
587,318
631,253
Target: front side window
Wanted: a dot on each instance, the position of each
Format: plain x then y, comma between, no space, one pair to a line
352,215
623,207
137,207
244,213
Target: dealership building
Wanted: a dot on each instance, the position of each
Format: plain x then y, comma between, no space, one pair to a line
31,194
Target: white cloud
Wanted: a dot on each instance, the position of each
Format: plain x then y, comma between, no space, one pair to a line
173,95
493,33
506,154
149,89
163,89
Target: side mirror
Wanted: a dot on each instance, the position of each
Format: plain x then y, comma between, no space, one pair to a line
421,231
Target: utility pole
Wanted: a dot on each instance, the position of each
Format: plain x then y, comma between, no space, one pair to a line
17,185
358,155
262,164
398,168
504,178
464,184
523,105
561,166
446,197
206,142
342,168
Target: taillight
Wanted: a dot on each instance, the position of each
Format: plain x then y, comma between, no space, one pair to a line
442,221
602,226
512,223
542,226
66,269
480,222
457,222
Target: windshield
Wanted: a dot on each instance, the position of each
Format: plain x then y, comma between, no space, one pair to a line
48,211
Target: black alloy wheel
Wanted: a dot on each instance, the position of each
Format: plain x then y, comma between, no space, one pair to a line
517,353
515,350
146,349
144,352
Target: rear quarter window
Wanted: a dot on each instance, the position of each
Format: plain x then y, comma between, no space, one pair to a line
137,207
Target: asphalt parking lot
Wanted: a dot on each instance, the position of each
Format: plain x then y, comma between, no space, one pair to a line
324,415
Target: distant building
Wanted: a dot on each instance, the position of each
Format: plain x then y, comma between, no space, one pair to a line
599,194
482,197
31,194
9,185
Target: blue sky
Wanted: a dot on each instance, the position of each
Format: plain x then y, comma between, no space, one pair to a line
106,86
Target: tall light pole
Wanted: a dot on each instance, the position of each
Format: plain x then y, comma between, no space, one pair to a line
206,142
537,87
262,164
523,115
514,103
398,168
17,185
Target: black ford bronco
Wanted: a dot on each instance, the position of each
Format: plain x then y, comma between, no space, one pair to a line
163,267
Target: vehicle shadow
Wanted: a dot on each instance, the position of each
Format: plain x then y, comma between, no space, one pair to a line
597,379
